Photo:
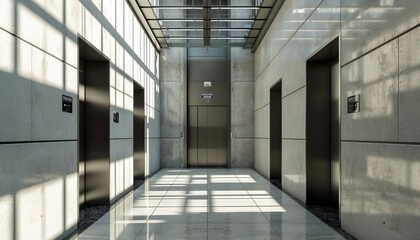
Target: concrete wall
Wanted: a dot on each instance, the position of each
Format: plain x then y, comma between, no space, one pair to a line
242,95
380,148
38,142
379,60
242,105
173,76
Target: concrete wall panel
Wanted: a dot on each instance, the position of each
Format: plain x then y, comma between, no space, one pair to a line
370,58
121,167
242,109
38,64
409,87
152,122
173,64
171,109
51,79
368,24
262,156
294,168
242,65
294,115
152,156
262,122
380,189
375,78
15,89
170,152
243,149
38,190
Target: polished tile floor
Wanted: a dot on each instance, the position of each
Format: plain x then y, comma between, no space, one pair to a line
208,204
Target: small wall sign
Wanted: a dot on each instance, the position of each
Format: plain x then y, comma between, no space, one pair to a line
207,96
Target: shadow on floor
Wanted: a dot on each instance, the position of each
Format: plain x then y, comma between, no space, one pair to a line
90,215
328,215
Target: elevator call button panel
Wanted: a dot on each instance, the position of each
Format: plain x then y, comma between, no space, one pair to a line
116,117
353,104
67,104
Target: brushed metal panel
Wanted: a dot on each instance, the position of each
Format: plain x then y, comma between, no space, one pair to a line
275,131
192,136
139,153
81,133
217,137
205,68
94,127
219,90
202,137
318,132
322,127
211,145
335,131
208,52
97,133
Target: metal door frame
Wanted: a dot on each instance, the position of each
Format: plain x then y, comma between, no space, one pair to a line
229,134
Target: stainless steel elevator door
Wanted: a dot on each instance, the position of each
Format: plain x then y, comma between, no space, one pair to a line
202,135
216,137
207,136
192,136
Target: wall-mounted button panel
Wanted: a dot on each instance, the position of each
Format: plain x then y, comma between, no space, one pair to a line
353,104
67,104
116,117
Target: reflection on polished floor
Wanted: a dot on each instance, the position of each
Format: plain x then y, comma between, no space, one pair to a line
208,204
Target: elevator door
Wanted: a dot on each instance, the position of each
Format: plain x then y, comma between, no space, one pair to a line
93,139
207,138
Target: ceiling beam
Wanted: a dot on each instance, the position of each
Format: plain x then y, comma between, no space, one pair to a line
276,8
206,23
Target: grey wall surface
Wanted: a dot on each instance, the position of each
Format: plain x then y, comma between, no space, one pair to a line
173,66
38,142
380,149
173,77
242,105
111,27
173,74
378,60
242,96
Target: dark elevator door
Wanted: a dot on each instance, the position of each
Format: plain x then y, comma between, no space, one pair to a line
207,136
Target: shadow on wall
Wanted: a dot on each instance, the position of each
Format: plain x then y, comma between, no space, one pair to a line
381,188
39,195
381,180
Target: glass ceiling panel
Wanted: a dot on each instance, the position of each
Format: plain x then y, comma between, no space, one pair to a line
205,22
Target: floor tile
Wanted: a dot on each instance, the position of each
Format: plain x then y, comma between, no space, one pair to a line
174,231
241,231
208,204
304,231
223,218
